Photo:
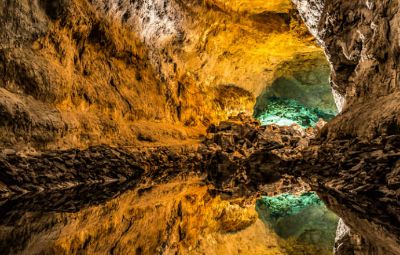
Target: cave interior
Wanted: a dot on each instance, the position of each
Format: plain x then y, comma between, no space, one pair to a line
200,127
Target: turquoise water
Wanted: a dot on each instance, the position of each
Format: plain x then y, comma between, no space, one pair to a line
287,205
286,112
303,221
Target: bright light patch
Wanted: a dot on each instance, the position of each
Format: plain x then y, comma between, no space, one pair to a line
285,112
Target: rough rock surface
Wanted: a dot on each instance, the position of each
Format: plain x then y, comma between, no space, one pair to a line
77,73
96,165
241,156
238,156
201,198
357,179
180,216
99,68
70,73
360,39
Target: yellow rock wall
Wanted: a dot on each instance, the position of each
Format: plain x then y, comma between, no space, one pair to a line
178,217
84,72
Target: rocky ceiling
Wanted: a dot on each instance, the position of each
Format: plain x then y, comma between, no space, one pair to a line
80,72
255,7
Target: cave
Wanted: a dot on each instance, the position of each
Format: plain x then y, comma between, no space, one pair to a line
300,94
200,127
304,223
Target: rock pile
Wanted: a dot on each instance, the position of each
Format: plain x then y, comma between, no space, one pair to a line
359,180
238,156
95,165
241,156
55,170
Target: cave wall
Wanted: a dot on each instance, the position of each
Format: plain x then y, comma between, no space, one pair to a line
79,72
360,39
180,216
91,74
304,78
76,72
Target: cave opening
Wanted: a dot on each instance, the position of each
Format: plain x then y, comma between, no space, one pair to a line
128,126
300,94
302,221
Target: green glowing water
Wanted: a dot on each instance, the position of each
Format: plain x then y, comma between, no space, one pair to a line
286,112
288,205
303,222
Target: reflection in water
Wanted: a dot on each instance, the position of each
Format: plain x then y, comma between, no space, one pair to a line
178,217
304,222
68,200
33,223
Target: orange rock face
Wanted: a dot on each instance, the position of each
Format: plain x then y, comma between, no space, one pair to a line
109,71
